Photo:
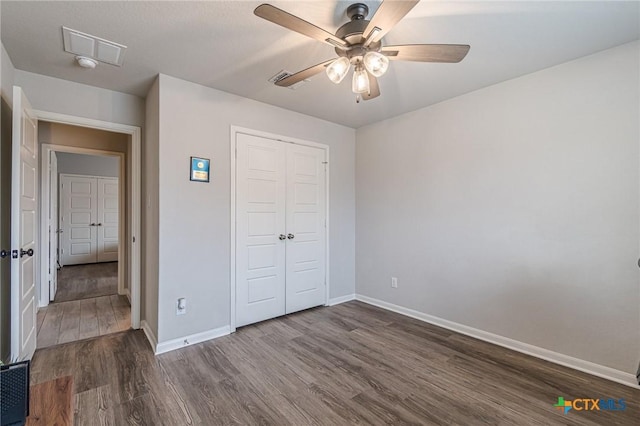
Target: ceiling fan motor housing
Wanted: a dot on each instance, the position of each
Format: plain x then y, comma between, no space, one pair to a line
357,11
352,33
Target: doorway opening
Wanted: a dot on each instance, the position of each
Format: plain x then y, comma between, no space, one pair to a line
84,287
30,230
89,218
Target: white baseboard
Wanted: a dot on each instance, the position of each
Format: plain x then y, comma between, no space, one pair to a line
151,337
341,299
538,352
192,339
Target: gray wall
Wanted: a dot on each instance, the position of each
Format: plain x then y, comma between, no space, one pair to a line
194,222
91,165
66,97
7,74
150,214
514,209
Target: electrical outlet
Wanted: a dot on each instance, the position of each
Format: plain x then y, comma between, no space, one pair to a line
181,306
394,282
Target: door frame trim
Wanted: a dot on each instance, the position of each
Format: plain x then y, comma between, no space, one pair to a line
133,195
121,200
234,131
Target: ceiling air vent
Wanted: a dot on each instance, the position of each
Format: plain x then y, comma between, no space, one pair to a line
284,74
94,47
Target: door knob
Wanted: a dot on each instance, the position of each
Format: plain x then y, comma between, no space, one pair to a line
24,252
99,224
282,237
7,253
290,236
93,224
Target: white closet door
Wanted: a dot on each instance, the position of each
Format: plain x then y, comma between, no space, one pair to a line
107,222
260,222
79,208
305,218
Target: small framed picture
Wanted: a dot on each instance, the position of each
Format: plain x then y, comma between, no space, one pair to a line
199,169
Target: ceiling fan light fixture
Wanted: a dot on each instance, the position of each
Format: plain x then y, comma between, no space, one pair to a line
360,80
376,63
338,69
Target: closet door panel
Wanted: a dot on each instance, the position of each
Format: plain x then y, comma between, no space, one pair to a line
79,212
306,227
108,218
260,220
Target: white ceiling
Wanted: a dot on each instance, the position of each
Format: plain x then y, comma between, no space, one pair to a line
221,44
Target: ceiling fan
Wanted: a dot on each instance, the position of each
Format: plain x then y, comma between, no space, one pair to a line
359,43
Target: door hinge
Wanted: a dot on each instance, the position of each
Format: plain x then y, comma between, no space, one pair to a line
134,239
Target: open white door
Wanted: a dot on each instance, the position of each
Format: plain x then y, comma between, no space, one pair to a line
53,226
23,227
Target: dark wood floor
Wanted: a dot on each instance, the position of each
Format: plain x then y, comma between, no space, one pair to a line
347,364
77,282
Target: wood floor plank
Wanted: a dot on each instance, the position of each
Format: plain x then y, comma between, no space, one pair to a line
88,319
53,362
139,411
51,403
121,311
50,328
42,312
94,407
70,325
77,282
350,364
106,318
91,370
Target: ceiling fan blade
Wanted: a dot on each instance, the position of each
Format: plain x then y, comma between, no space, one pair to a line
389,13
450,53
304,74
293,23
374,88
